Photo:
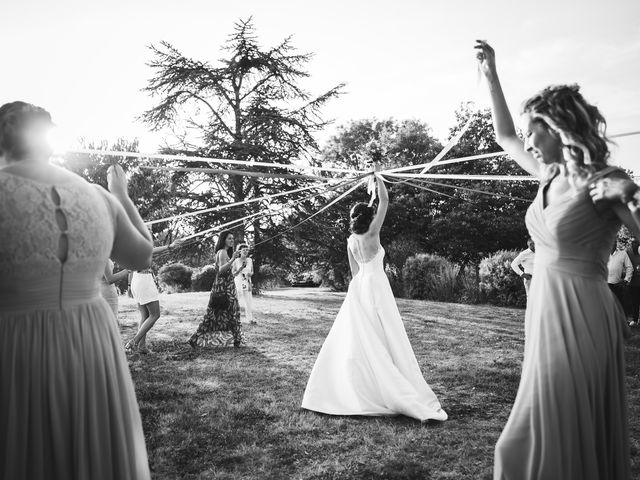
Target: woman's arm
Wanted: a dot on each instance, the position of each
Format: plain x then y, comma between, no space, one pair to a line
353,265
161,249
129,277
237,267
625,196
516,265
503,126
223,260
111,277
383,205
132,245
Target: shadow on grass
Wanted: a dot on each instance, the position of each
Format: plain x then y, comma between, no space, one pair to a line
235,414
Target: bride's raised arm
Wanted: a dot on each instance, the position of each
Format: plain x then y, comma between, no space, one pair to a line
383,204
505,130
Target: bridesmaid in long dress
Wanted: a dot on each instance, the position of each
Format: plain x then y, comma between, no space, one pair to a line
569,419
366,365
68,409
221,325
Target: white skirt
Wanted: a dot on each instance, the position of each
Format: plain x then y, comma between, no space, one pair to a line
143,288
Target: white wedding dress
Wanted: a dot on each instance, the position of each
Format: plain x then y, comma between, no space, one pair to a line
366,365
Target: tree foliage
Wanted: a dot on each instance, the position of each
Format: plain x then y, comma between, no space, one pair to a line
462,220
152,191
249,106
473,225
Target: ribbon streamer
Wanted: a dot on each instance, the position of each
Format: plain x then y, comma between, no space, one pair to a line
371,188
236,204
182,158
311,216
448,176
259,214
235,172
473,190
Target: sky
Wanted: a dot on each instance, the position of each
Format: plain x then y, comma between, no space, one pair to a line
85,61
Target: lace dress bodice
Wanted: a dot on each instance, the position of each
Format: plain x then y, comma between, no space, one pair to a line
36,218
367,263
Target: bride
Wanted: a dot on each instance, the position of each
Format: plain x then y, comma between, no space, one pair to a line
366,365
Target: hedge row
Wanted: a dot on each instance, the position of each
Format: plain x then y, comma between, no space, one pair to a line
431,277
176,277
422,276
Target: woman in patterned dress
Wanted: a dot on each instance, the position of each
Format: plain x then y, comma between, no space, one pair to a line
221,325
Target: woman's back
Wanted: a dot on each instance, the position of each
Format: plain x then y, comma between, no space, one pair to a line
62,367
364,248
54,241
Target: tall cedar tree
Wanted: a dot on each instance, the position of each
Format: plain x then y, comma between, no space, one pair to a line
249,106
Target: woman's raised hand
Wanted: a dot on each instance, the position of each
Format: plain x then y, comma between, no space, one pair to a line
486,56
117,181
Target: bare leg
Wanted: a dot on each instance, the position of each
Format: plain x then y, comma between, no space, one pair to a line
154,314
144,315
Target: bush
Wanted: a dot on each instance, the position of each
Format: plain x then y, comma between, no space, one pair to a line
272,276
203,278
430,277
498,281
395,279
174,277
397,253
469,287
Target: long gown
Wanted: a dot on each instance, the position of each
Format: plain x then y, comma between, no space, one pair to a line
366,365
221,327
569,419
68,409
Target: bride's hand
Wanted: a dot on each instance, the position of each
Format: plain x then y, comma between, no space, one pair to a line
486,56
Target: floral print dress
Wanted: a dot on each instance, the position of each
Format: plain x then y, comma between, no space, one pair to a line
220,326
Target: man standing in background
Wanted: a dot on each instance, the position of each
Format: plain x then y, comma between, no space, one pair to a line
620,272
523,264
634,286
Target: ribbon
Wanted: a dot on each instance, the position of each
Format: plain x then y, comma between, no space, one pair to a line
183,158
371,188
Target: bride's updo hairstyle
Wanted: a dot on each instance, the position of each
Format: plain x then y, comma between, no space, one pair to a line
361,216
565,112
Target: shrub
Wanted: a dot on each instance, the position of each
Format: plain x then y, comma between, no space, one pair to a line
203,278
395,279
498,281
469,287
174,277
430,277
397,253
272,276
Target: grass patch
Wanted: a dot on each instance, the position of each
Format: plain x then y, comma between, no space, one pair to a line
235,414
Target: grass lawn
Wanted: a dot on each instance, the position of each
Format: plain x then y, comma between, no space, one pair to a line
235,414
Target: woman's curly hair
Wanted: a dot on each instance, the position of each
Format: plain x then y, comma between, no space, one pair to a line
580,125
